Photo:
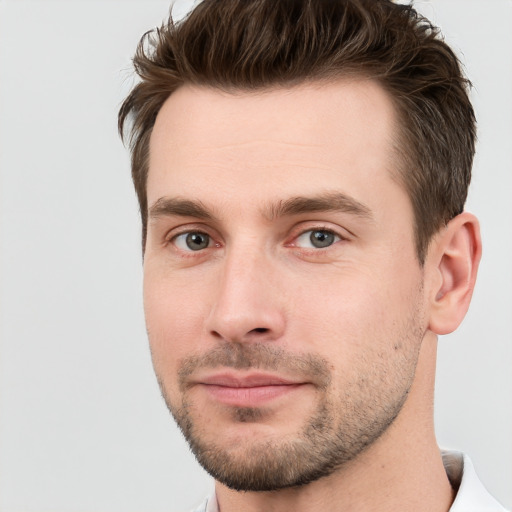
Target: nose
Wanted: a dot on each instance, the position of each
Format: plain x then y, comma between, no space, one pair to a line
248,304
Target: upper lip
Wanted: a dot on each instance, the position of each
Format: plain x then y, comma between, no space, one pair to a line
250,380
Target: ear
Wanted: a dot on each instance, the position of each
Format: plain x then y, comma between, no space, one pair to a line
453,259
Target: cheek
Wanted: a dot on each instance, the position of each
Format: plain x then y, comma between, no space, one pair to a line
172,313
355,310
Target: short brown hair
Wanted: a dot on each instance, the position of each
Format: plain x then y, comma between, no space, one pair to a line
252,44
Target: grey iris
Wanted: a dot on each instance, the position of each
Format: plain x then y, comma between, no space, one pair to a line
321,239
197,241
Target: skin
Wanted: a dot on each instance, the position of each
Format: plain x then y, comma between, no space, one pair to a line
259,301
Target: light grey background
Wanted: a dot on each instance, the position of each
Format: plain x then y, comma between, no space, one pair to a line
82,425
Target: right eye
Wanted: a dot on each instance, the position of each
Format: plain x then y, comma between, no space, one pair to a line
192,241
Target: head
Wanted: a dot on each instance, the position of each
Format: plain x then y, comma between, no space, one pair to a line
301,169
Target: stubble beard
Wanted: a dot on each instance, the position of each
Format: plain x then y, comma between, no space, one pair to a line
326,442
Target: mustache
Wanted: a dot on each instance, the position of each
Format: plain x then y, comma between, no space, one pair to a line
261,356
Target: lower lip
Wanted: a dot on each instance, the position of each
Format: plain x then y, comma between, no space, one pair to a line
249,397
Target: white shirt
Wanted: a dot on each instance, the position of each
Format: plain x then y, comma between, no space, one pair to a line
471,496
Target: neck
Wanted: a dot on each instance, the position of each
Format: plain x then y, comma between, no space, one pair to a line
402,471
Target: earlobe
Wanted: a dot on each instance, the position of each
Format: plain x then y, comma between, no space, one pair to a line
454,258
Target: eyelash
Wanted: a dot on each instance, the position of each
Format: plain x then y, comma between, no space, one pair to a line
317,229
186,234
212,244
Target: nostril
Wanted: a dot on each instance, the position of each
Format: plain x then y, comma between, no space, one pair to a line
260,329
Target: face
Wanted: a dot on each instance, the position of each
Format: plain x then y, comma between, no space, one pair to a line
283,297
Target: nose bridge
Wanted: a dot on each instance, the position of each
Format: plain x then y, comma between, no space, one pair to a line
247,303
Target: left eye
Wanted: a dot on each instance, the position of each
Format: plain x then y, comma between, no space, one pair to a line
192,241
317,238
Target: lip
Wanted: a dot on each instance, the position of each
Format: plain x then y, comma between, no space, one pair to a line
249,390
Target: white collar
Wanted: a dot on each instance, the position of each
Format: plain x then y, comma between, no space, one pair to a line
472,496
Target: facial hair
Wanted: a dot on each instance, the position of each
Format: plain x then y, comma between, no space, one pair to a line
325,442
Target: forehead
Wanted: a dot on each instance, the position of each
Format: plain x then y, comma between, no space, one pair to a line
287,138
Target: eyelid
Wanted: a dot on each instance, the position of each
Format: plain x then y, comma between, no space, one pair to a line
307,227
185,229
336,237
298,230
181,244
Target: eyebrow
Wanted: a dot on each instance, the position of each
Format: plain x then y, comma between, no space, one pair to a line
175,206
328,202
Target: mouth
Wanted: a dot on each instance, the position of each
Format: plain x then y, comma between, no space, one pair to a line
247,390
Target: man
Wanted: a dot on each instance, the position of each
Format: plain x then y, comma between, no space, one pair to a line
302,169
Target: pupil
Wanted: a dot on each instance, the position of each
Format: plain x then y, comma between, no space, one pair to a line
321,238
197,241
